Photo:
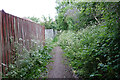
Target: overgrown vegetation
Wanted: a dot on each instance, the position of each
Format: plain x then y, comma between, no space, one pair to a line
76,15
30,64
47,22
91,38
92,52
34,19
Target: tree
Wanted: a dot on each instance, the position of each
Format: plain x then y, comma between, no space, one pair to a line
48,23
34,19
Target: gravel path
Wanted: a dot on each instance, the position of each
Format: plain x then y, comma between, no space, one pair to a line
58,69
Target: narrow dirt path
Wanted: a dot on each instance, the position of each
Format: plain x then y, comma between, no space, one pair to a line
58,68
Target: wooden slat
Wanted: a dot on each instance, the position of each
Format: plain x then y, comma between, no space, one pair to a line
3,42
0,45
10,34
11,37
8,37
6,41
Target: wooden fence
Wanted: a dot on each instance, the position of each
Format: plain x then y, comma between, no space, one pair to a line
17,28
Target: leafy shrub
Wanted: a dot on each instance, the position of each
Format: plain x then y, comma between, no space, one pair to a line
30,64
93,52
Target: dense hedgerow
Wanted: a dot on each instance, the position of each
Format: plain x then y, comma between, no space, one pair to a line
93,52
30,64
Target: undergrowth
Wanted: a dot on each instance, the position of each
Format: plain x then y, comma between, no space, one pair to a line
30,64
93,52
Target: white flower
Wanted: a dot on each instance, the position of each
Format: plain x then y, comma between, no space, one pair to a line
20,39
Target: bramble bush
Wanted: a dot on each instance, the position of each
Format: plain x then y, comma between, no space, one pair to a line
30,64
93,52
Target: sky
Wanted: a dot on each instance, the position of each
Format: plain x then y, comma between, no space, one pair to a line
25,8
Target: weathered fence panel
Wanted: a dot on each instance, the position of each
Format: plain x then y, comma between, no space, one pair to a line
16,28
50,33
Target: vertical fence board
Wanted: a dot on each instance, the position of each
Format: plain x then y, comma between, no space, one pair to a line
8,37
0,45
11,37
6,42
10,34
3,42
43,35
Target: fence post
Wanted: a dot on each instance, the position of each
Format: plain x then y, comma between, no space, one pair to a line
43,35
0,45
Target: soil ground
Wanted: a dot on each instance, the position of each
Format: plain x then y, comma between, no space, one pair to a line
58,68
